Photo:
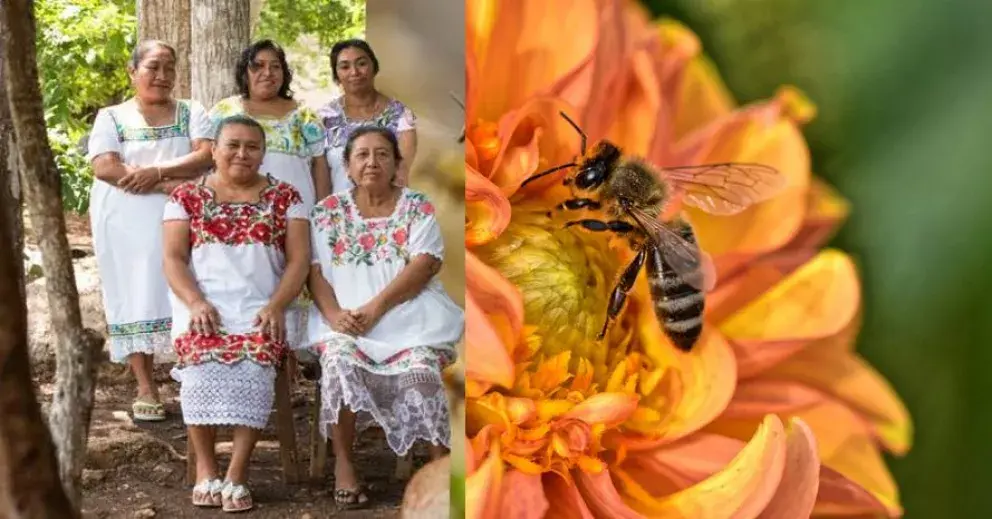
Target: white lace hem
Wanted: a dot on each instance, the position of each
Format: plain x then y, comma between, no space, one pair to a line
158,344
217,394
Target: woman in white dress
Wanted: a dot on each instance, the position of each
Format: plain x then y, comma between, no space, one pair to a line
140,150
236,252
354,67
294,136
386,328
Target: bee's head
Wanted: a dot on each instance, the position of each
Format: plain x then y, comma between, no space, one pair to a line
596,165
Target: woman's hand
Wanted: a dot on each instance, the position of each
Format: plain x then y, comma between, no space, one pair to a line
369,314
140,180
204,318
345,321
271,321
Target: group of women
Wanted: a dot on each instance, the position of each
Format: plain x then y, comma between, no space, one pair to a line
229,239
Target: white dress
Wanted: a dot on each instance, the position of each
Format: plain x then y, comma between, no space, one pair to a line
396,116
291,143
392,374
237,256
127,228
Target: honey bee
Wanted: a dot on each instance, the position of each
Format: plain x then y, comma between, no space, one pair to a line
633,194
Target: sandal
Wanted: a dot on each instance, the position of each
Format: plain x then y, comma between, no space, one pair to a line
236,497
351,499
146,411
207,493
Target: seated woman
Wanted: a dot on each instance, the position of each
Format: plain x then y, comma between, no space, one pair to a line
385,328
236,251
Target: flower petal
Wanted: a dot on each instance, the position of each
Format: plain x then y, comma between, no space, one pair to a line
741,489
487,358
520,58
601,495
708,379
839,496
853,381
487,211
610,409
816,301
523,496
796,493
758,397
482,488
568,502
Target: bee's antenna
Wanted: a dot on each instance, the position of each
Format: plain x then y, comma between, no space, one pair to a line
455,97
581,133
546,172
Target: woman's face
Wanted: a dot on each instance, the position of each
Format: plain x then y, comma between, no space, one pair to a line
155,75
372,162
355,70
238,152
265,75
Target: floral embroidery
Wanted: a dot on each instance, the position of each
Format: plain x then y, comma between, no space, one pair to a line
151,133
339,127
262,223
298,133
140,327
354,240
194,348
402,362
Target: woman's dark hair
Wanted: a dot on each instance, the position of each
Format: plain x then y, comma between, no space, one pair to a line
247,59
386,133
348,44
242,120
144,46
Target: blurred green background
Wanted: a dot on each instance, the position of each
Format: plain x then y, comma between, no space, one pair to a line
904,131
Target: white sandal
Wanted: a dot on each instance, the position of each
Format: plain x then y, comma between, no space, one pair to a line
236,497
207,493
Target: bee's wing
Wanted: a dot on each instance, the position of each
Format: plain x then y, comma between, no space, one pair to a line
727,188
692,264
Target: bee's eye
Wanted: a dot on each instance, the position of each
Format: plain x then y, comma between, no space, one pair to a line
589,178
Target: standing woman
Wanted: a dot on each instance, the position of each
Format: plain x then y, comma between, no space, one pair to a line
354,67
294,147
140,150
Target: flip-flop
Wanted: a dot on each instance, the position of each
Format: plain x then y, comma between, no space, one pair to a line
351,499
147,411
236,498
207,493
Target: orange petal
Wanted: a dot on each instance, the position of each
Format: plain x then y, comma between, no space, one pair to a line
482,488
758,397
523,55
839,496
702,97
487,359
523,496
853,381
679,465
487,211
602,497
816,301
610,409
801,477
741,489
568,502
498,297
826,210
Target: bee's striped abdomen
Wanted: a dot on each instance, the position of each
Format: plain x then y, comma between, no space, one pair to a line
678,305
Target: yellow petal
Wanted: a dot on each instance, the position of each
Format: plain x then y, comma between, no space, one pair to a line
850,379
742,489
482,488
796,493
487,211
610,409
703,97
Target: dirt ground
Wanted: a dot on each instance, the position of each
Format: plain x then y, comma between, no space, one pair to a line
137,469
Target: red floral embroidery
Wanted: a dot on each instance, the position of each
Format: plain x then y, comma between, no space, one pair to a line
194,348
367,241
400,236
427,208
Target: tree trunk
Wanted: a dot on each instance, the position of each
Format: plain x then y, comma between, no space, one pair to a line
168,20
220,29
254,13
76,348
10,184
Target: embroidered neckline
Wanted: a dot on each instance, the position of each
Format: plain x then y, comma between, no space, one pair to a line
212,194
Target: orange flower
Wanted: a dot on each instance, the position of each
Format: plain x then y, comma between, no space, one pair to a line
563,425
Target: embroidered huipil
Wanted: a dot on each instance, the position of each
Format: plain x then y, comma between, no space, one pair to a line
237,256
127,228
360,256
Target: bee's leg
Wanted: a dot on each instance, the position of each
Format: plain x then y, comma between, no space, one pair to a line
619,294
617,226
578,203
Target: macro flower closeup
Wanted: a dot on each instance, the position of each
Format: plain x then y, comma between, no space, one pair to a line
772,414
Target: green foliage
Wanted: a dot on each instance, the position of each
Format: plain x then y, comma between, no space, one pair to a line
329,20
83,46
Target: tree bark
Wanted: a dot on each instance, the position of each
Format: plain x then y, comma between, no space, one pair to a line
220,30
76,347
10,184
169,21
